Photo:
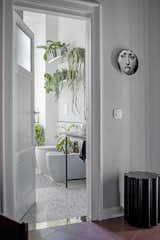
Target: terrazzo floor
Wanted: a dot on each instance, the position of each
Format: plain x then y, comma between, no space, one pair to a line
55,202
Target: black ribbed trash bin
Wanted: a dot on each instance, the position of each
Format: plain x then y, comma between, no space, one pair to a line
141,190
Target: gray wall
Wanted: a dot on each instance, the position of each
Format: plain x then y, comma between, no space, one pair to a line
154,86
132,143
115,93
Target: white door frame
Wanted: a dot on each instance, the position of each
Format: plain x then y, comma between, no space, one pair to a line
1,179
68,7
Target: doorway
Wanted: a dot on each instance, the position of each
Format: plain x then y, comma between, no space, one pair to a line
57,115
82,9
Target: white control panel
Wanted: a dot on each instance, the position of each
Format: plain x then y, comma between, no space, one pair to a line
117,113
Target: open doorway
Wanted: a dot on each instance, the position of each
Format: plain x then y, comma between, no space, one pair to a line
60,110
15,192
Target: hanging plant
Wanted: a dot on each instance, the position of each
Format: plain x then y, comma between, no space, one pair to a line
53,49
54,82
75,73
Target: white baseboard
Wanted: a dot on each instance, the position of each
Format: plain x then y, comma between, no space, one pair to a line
111,213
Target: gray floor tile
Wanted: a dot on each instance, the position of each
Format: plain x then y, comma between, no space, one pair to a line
54,201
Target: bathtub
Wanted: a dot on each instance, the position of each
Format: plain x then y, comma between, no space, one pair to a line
56,166
40,152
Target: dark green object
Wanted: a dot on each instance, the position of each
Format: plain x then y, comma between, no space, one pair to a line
39,134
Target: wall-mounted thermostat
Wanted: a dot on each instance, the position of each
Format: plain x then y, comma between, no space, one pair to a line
117,113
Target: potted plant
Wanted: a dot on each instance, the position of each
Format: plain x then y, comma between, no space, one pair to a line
54,49
39,134
54,82
61,140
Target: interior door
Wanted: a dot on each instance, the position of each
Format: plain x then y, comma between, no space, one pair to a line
23,117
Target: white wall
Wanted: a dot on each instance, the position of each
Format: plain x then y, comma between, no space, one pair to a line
67,32
67,110
72,30
36,22
51,104
63,29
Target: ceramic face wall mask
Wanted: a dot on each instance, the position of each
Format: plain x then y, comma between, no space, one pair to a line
127,62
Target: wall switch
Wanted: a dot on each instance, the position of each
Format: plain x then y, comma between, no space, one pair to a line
117,113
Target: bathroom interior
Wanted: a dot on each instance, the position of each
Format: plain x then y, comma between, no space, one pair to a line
59,110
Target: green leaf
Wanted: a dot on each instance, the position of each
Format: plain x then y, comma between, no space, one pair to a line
42,46
45,56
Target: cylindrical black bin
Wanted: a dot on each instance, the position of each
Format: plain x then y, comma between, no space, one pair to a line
141,190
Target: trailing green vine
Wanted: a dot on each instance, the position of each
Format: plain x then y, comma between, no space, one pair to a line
54,82
76,70
74,74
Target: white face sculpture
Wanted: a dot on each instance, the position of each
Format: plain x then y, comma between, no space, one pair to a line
128,62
